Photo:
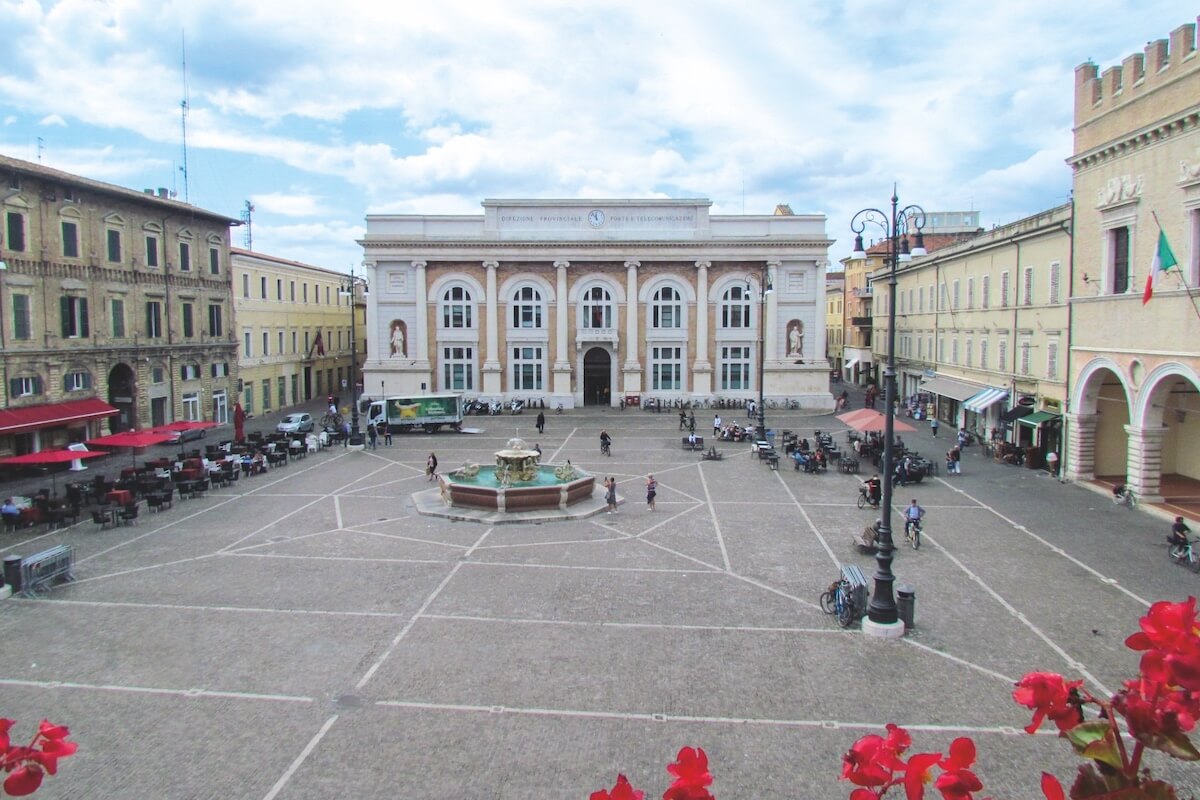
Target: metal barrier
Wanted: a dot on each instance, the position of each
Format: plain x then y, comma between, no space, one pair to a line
41,570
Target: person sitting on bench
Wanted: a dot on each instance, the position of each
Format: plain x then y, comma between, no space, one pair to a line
870,534
692,443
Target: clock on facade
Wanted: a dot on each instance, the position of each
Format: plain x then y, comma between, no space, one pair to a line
596,218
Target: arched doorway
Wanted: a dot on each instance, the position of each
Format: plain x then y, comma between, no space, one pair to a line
597,377
1168,414
1099,445
121,396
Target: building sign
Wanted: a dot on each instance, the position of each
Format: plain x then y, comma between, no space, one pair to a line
597,218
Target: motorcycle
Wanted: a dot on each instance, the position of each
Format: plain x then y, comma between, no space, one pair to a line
495,408
517,406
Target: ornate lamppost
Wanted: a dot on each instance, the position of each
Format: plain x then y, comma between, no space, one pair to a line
882,617
765,287
349,289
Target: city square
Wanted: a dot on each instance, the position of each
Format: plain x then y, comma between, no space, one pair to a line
307,633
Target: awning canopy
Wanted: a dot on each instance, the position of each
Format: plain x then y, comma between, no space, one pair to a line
50,415
851,363
948,387
1016,412
1037,418
985,399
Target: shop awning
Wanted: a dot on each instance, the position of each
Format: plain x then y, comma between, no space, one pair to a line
948,387
851,363
1016,412
1037,418
985,399
52,415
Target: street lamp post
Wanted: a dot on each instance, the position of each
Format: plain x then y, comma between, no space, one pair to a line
349,290
760,432
882,617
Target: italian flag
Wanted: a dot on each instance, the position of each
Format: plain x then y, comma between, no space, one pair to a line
1164,260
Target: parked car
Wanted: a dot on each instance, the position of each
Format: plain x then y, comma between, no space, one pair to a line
295,423
187,435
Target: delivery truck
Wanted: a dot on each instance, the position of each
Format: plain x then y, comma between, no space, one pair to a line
428,412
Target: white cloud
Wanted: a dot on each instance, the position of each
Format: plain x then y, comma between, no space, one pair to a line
53,119
288,205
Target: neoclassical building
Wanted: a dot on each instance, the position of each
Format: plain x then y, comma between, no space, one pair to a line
584,302
1134,411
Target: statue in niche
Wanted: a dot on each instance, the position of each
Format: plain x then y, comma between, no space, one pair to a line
398,339
796,338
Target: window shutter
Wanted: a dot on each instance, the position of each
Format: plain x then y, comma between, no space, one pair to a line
1004,289
1052,359
83,317
14,387
1055,280
1028,286
1002,356
37,384
985,289
64,305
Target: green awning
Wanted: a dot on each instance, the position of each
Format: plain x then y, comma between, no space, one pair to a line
1037,418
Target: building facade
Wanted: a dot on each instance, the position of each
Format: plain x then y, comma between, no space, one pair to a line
858,319
116,305
835,320
294,329
982,326
588,302
1134,412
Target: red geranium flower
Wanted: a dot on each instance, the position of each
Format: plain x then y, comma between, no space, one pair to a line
1047,693
23,780
690,769
917,773
623,790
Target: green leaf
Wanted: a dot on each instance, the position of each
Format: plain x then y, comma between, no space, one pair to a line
1085,733
1178,746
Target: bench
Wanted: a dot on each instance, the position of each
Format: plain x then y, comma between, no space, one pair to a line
852,575
41,570
699,445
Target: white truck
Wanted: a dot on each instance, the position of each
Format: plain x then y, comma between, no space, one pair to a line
430,412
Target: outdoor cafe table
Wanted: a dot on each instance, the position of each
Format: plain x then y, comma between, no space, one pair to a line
120,497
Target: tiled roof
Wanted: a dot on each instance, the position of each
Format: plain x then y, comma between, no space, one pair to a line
8,163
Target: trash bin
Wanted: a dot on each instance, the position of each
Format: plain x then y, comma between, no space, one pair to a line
906,601
771,438
12,572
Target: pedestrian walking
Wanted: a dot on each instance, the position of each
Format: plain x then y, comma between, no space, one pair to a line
682,419
716,424
372,435
431,466
345,432
1052,463
651,491
691,421
541,422
954,461
386,431
610,494
933,426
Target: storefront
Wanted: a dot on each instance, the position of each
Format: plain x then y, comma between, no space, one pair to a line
31,429
982,411
950,396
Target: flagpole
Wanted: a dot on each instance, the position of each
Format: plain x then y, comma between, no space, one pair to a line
1182,277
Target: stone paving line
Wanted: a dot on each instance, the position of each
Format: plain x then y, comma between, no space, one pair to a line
538,660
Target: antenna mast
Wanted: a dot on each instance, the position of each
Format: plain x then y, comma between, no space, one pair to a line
183,113
247,220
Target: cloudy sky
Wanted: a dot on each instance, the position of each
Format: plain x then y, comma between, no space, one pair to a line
320,113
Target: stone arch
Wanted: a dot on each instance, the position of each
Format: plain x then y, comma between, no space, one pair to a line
581,284
1168,422
1087,391
1102,408
1151,403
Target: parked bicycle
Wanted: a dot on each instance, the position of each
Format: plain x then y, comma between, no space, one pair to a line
838,600
1124,496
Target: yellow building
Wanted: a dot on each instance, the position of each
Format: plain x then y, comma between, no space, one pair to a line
293,324
835,319
115,304
981,327
1134,411
857,318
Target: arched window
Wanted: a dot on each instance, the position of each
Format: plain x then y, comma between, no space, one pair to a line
735,308
597,308
666,309
457,308
527,308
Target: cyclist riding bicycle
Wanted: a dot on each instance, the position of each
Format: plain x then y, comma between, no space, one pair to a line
1179,534
913,516
605,443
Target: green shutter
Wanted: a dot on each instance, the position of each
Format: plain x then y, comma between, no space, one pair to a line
64,307
83,318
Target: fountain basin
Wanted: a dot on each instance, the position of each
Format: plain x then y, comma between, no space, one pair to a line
529,497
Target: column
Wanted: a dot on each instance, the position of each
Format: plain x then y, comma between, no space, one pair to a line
632,368
419,349
491,364
771,329
374,333
1143,467
1081,447
702,369
562,366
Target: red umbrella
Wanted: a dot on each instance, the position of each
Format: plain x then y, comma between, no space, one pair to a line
133,439
47,457
875,422
239,423
185,425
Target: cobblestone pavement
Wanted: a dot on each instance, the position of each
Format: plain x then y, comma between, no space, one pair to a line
305,634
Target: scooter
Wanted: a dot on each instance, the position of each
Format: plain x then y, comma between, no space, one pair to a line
517,406
495,408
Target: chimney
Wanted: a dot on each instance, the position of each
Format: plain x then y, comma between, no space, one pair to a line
148,191
162,192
